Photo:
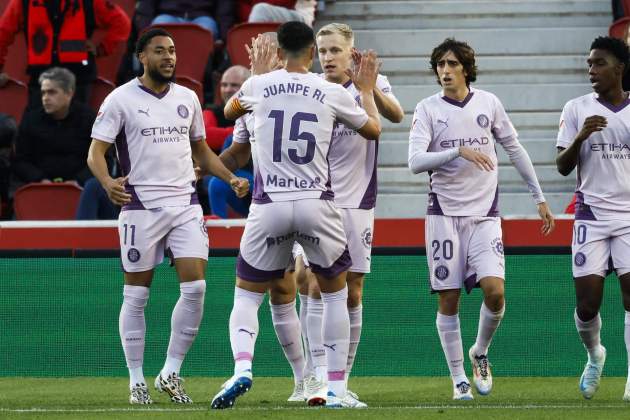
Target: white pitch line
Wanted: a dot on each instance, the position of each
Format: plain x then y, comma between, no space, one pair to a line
371,408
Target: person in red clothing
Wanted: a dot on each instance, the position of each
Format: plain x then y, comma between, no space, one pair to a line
58,34
277,11
217,126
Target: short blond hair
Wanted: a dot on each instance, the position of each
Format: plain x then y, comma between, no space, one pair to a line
338,28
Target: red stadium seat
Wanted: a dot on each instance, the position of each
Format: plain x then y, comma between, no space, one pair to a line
47,201
100,89
241,35
15,61
13,99
192,84
194,46
618,28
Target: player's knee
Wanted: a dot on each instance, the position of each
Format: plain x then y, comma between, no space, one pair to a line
586,311
494,299
355,296
193,290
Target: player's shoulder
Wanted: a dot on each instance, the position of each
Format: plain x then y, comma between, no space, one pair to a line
581,101
125,91
485,95
430,102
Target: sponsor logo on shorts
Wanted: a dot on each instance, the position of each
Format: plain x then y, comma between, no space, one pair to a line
579,259
441,272
497,246
366,238
291,236
483,120
182,111
133,255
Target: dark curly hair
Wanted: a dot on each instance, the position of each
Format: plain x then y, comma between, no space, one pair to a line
615,46
294,37
464,53
146,37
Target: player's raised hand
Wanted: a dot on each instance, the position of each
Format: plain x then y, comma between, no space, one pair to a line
364,77
262,55
591,124
240,186
115,189
545,214
482,161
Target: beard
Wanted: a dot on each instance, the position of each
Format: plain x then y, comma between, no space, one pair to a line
154,73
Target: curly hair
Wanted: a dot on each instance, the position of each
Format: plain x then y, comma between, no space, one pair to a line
464,53
615,46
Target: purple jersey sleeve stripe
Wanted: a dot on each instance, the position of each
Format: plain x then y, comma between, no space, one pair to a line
135,203
582,210
368,201
494,208
259,196
343,263
434,207
123,152
249,273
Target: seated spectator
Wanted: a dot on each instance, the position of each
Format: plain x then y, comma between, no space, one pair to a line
217,126
8,133
94,204
215,16
278,11
53,140
61,37
221,194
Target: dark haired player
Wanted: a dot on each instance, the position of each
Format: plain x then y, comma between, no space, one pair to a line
453,137
594,136
294,113
158,130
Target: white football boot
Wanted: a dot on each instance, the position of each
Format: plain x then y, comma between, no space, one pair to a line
589,381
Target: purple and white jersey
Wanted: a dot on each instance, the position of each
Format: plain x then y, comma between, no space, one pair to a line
459,188
293,116
152,133
603,169
353,158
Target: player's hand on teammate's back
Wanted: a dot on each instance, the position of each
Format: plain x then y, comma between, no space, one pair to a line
115,189
591,124
545,214
364,76
240,186
481,160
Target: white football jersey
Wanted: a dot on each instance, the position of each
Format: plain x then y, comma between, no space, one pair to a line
353,160
459,188
603,169
293,116
152,133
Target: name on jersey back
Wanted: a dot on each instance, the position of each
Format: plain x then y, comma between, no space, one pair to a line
293,88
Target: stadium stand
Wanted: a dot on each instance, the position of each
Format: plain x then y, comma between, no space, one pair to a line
530,54
618,28
240,35
47,201
14,99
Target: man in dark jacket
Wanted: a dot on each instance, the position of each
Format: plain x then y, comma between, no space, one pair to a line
53,140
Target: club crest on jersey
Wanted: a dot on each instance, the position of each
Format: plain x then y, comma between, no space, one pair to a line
497,246
182,111
366,238
441,272
133,255
579,259
483,121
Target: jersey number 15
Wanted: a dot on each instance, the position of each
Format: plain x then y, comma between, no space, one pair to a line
294,135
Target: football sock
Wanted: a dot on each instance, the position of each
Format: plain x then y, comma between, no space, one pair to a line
315,340
308,367
488,323
589,333
244,327
287,326
451,340
132,329
336,338
626,338
356,323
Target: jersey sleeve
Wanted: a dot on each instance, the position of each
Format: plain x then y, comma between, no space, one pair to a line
421,131
197,127
382,84
241,134
501,125
109,120
568,126
245,95
346,108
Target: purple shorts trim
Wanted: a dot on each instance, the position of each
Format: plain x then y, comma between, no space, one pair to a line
249,273
343,263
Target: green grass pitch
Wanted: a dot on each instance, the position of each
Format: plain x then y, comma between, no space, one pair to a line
393,397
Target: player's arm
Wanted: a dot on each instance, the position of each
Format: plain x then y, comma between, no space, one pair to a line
236,156
210,164
365,81
388,106
567,158
234,109
115,188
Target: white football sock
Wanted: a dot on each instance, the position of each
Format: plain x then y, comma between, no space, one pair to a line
244,327
315,340
185,323
488,323
356,323
626,338
132,329
287,326
451,340
589,333
336,338
308,368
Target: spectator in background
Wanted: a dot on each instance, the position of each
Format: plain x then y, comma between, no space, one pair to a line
58,34
278,11
94,204
53,140
215,16
626,78
217,126
8,132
